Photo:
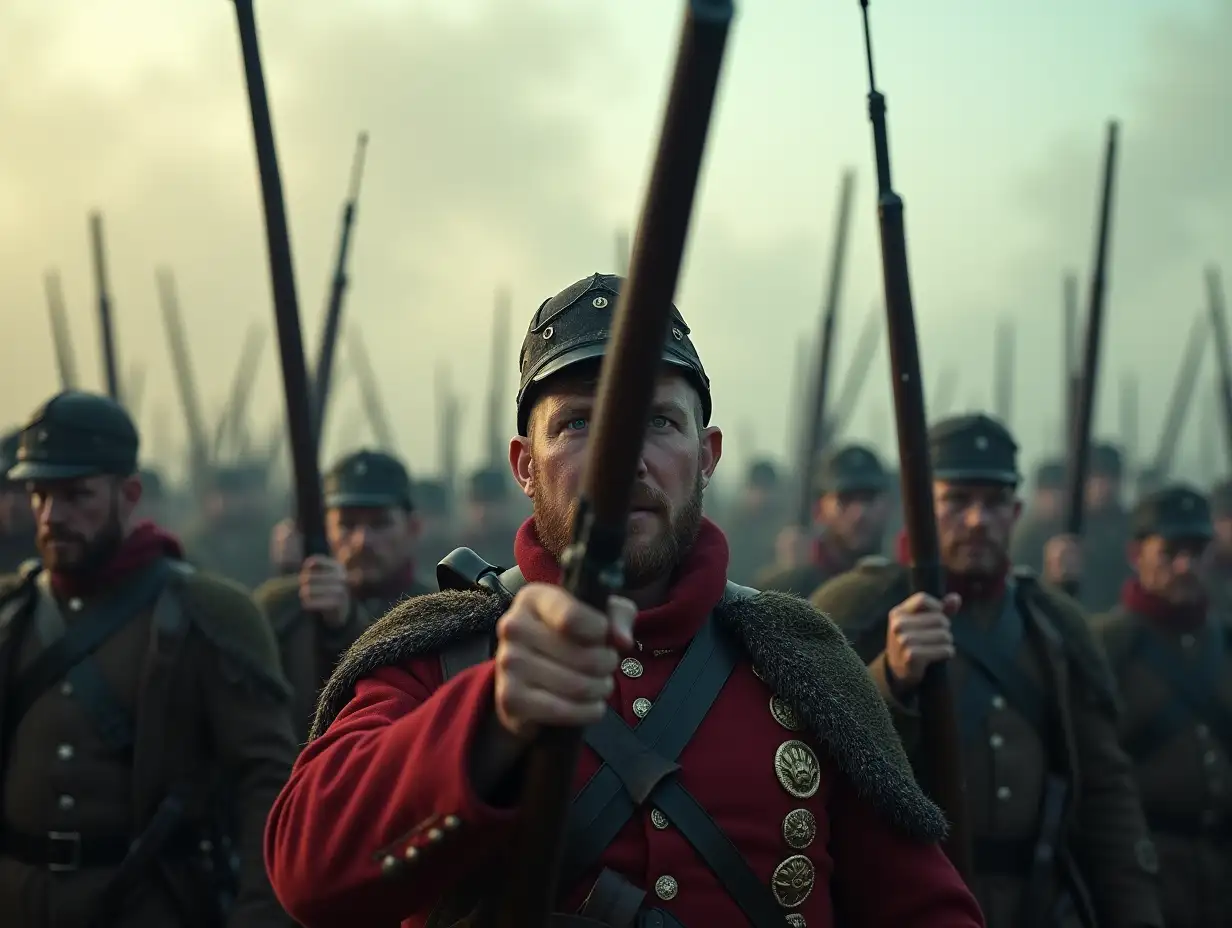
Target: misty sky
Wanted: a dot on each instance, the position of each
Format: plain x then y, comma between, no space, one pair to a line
510,139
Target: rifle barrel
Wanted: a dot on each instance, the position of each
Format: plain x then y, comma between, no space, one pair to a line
106,324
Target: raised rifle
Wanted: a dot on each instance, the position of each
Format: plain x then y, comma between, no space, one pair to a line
181,364
1084,410
591,567
370,391
1181,398
1069,354
498,375
106,325
852,387
814,425
942,776
1223,351
62,341
337,291
308,501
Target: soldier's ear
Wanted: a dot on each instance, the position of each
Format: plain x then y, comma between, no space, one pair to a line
521,463
712,450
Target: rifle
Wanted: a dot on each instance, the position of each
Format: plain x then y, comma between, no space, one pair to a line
449,413
499,377
309,516
1181,398
370,392
852,386
134,389
592,566
333,313
1223,351
1069,352
815,424
66,362
181,363
1084,412
947,390
106,326
232,429
942,774
1003,369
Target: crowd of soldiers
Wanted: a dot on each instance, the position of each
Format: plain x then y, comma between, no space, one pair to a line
156,689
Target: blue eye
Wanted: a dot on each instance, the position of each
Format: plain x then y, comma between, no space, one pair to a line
577,424
660,422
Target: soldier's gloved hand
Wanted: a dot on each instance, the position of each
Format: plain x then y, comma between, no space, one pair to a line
555,658
918,634
1062,560
286,547
323,590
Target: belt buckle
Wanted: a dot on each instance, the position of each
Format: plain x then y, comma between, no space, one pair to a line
73,840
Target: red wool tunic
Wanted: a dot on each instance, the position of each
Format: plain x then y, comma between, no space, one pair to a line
397,755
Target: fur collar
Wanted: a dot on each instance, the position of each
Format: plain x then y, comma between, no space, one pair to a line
800,653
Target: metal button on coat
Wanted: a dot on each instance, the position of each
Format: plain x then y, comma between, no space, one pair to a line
66,689
658,819
666,888
1209,758
65,752
996,741
74,604
797,768
796,920
1004,793
998,702
67,803
641,706
631,667
1187,641
1202,731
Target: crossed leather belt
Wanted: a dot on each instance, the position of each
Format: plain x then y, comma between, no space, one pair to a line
67,851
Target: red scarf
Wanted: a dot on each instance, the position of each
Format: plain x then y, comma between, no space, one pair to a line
695,589
145,544
970,587
1184,617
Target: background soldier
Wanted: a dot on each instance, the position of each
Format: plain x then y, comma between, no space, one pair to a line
1104,567
436,538
372,531
1171,658
754,522
489,523
850,517
232,538
16,522
1043,518
1060,838
1219,557
133,688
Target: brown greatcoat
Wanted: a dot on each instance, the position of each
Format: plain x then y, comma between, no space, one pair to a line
1107,862
1184,765
197,672
308,649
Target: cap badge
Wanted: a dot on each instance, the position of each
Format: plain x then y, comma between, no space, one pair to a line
361,468
981,443
599,302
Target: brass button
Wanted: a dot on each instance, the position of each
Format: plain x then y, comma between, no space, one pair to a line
799,828
411,854
631,667
641,706
666,888
793,880
452,823
995,741
1003,793
1187,641
798,769
998,702
796,920
389,864
65,752
66,689
658,819
74,604
784,714
67,803
205,845
1202,731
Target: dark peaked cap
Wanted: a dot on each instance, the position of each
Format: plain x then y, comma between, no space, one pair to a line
573,328
973,448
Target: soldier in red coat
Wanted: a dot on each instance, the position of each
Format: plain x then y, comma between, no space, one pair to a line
740,767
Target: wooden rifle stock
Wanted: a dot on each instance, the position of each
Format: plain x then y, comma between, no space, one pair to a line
592,564
943,776
309,516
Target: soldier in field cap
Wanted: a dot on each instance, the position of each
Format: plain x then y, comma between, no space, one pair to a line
754,520
1170,653
1059,834
231,536
318,612
1106,531
850,517
16,522
147,725
1219,557
1042,518
404,804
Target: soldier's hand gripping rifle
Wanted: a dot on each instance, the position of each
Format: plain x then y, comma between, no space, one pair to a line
943,777
591,567
1084,410
324,369
310,519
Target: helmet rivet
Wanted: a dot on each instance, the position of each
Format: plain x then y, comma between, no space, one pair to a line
599,302
548,333
677,334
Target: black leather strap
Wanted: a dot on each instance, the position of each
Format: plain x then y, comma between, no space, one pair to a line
64,851
112,721
633,764
1192,684
84,635
992,656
